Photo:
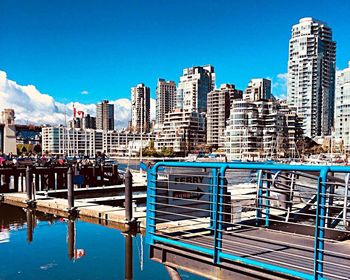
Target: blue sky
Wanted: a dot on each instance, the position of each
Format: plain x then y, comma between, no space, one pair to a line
65,47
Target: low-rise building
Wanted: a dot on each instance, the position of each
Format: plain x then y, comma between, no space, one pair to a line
182,131
73,142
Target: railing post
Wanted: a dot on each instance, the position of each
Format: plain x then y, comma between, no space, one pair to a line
29,183
259,194
214,213
320,223
70,187
128,196
267,200
219,215
151,204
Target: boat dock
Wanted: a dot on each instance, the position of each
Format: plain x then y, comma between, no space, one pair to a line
295,224
290,222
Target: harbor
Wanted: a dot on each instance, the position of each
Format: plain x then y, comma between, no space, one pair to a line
223,220
174,140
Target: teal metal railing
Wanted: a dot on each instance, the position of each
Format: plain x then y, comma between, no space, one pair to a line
292,220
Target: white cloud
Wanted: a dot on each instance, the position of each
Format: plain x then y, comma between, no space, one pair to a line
32,106
279,85
84,92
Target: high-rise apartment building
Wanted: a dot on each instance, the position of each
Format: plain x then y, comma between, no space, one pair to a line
166,96
194,86
258,89
311,75
140,108
88,122
105,116
218,111
342,106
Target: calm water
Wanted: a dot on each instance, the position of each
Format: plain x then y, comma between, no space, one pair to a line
99,251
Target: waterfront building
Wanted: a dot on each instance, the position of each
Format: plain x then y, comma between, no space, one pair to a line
311,75
105,116
73,142
183,131
258,129
166,96
294,127
258,89
218,111
8,133
342,106
140,108
194,86
125,143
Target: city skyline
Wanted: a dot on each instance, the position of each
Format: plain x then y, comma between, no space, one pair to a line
90,54
52,109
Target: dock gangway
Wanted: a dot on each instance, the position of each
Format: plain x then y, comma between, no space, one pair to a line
260,220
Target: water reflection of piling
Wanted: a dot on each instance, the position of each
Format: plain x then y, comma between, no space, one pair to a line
128,256
30,225
71,239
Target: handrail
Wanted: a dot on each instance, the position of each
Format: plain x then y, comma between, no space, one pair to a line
320,207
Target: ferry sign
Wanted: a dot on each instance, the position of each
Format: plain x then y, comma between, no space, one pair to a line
185,188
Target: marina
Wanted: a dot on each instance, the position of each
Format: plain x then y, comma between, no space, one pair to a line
216,219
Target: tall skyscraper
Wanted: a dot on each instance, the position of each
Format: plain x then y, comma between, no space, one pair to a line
311,75
342,106
105,116
140,108
219,104
258,89
195,84
166,94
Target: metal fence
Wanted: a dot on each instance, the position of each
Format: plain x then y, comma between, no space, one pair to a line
288,219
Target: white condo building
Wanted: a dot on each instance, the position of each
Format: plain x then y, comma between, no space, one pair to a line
342,106
311,75
258,89
182,131
140,108
74,142
194,86
260,129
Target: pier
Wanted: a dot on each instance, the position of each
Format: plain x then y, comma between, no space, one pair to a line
91,193
218,220
292,222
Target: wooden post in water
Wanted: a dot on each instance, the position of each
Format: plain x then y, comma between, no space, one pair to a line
71,239
128,256
128,196
70,186
29,183
29,216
